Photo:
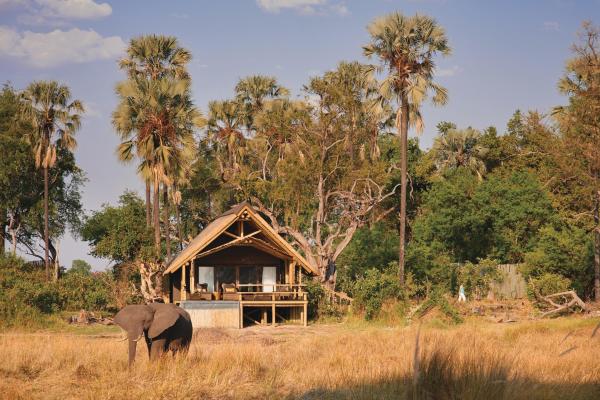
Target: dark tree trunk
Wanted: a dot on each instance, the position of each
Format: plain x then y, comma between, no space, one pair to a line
156,216
597,248
166,221
46,230
179,227
148,205
3,232
403,177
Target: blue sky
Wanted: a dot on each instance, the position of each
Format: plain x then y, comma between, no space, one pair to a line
506,55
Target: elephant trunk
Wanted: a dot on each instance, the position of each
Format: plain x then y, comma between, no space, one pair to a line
132,347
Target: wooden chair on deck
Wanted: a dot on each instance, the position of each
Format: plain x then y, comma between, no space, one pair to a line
202,292
230,292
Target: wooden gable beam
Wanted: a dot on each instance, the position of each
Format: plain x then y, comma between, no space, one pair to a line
239,240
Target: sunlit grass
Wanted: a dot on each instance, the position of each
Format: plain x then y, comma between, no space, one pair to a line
471,361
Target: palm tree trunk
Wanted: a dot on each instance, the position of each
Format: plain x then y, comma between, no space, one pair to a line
166,221
156,216
403,175
148,205
179,227
46,230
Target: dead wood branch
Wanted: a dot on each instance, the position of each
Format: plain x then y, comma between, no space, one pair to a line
562,302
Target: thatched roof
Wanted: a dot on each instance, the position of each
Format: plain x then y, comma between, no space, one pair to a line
246,212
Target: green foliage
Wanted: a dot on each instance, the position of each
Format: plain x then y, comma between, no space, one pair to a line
566,251
498,218
374,247
477,277
547,283
120,233
80,267
376,286
86,291
437,299
28,300
319,305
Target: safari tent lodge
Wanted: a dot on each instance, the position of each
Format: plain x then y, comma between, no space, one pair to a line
237,272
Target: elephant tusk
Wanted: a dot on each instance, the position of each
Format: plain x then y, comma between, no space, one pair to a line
139,337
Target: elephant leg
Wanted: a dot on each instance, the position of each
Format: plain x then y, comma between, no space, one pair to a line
157,348
148,343
132,347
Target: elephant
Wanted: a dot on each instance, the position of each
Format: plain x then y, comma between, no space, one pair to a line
164,326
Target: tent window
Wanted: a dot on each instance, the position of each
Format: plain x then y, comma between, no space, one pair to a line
207,275
269,278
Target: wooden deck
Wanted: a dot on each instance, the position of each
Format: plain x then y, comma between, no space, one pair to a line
254,307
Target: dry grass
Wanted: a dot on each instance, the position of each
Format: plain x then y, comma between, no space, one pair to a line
472,361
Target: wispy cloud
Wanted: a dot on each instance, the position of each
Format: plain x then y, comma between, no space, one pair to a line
57,12
58,47
305,7
446,72
551,26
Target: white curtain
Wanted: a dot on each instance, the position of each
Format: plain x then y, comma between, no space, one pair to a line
269,276
207,275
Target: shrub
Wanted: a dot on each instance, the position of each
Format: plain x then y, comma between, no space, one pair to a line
319,305
87,291
477,278
437,299
547,283
375,287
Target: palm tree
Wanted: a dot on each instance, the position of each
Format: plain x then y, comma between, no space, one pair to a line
460,148
55,118
154,57
225,124
155,119
405,46
254,90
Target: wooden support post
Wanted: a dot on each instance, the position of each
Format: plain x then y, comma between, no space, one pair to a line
237,276
192,277
263,320
292,272
241,315
183,287
305,314
274,314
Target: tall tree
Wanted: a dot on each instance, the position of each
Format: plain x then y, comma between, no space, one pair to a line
579,122
298,170
156,119
153,57
155,113
460,148
54,118
406,47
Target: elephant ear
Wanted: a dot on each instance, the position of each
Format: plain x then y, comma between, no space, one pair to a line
134,319
165,316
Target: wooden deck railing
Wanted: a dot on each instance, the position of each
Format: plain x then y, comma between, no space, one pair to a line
280,292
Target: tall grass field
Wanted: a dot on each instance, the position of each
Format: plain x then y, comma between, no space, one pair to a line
532,360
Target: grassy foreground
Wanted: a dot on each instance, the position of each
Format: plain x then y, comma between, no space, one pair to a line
531,360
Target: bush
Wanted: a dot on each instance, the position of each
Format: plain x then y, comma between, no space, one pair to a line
27,299
88,291
547,283
375,287
437,299
566,251
477,278
319,305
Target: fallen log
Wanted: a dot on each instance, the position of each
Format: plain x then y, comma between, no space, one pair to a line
562,302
